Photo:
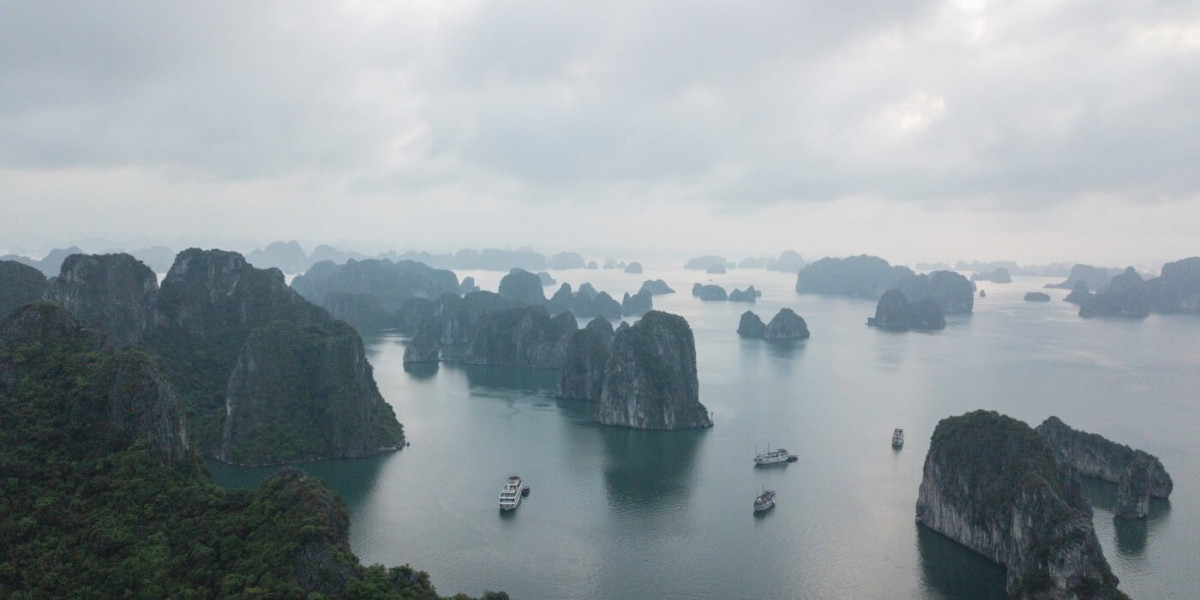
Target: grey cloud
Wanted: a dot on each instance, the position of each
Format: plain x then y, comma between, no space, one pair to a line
763,102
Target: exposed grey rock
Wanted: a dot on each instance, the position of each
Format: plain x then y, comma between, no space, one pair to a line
317,380
656,287
650,380
893,312
1037,297
423,348
751,326
1133,489
637,304
786,325
522,287
603,329
1093,455
582,376
992,484
361,311
522,337
112,293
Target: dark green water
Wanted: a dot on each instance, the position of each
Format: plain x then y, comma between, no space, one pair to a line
618,513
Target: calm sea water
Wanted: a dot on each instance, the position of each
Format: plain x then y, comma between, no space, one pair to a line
617,513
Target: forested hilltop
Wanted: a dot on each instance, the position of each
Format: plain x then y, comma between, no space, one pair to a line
104,497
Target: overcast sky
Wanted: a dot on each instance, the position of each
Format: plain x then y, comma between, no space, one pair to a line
917,130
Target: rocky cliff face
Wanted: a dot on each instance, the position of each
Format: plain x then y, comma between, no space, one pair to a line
362,311
522,337
1092,455
423,348
992,484
210,292
19,284
1133,489
893,312
751,326
112,293
786,325
582,376
650,380
301,393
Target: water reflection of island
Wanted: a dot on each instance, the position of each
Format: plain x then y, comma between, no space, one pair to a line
951,571
647,470
543,381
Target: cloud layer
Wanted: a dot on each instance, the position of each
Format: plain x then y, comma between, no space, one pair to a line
459,107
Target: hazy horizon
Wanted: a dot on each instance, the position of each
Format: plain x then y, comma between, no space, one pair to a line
918,131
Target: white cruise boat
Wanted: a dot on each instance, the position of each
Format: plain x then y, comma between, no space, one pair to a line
510,494
774,457
764,501
898,438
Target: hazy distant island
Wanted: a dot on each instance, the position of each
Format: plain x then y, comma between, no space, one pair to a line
100,463
656,287
998,275
709,292
1127,294
704,263
1094,277
785,325
992,483
856,276
1037,297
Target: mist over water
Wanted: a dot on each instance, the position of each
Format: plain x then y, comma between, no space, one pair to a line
618,513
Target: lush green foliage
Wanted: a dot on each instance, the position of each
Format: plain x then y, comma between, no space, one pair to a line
90,514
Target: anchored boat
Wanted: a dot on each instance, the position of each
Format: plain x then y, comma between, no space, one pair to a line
774,457
510,494
764,501
898,438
